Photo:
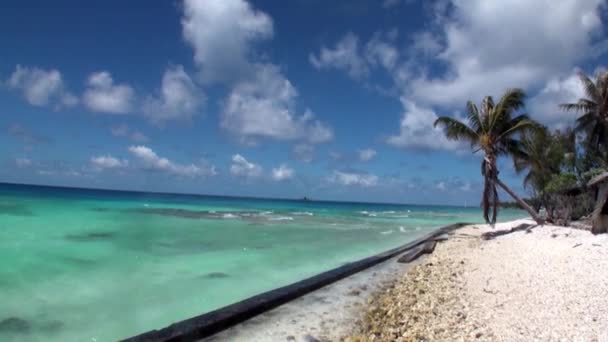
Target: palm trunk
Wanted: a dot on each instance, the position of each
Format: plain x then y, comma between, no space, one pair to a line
521,202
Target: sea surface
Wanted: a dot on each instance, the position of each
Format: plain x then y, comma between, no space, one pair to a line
93,265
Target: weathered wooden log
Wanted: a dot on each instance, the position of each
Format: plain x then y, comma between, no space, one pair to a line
415,253
491,235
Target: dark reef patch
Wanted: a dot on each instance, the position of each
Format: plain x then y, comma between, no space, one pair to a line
92,236
216,275
15,209
15,325
101,210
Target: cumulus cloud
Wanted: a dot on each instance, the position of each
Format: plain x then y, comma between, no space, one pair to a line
261,102
357,59
366,154
179,98
222,33
108,162
41,87
242,168
417,131
102,95
152,161
544,106
283,172
491,46
265,108
345,56
353,178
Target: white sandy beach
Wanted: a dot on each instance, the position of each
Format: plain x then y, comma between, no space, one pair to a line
548,285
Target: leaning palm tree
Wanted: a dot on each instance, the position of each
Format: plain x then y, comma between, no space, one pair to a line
593,120
494,129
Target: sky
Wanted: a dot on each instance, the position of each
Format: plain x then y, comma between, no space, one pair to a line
332,100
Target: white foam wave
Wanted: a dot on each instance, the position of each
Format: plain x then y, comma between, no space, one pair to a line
281,218
303,213
387,232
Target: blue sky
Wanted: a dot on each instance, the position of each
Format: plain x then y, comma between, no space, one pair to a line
331,100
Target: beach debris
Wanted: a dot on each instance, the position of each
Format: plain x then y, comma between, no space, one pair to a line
578,244
493,234
291,338
413,254
354,292
15,325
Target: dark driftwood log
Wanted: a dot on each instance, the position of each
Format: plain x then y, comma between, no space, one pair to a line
491,235
415,253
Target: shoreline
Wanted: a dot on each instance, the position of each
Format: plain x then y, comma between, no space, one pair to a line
326,314
548,284
212,323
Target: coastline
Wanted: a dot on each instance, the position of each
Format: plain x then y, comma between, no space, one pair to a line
326,314
548,284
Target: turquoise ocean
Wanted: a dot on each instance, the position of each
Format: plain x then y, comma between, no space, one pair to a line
97,265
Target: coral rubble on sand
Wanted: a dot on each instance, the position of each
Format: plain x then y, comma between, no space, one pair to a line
546,284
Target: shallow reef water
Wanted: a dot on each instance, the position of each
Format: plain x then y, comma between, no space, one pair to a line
89,265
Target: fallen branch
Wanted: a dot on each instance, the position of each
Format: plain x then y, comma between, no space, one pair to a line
413,254
493,234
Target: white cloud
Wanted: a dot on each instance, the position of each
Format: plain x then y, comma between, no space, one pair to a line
108,162
356,59
379,51
242,168
41,87
544,106
102,95
366,154
345,55
262,101
417,131
23,162
283,172
494,45
304,152
179,98
153,161
265,108
352,178
222,33
441,186
123,130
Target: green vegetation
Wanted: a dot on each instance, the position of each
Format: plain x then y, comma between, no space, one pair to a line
556,165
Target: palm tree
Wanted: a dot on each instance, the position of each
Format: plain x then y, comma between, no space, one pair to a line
494,130
594,112
545,155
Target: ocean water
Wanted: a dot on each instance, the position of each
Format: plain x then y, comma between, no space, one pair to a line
91,265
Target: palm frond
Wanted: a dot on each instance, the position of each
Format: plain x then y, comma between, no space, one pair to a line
456,130
591,91
511,101
474,116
